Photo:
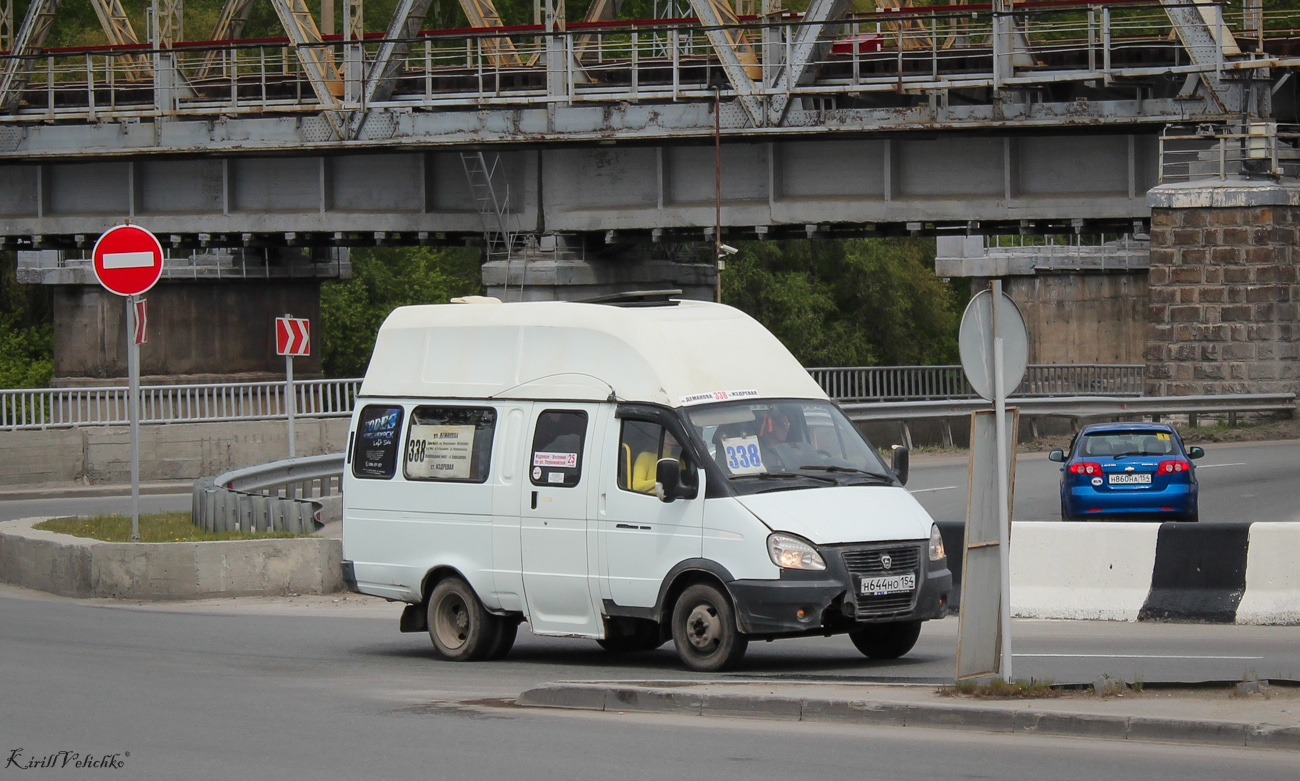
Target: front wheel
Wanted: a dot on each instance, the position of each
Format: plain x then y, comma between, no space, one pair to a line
461,628
886,641
704,630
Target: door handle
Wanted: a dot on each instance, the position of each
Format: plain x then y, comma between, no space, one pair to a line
534,500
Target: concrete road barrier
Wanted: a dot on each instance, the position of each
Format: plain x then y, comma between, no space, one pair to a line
82,567
1211,572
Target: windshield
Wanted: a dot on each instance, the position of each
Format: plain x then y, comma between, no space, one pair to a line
762,440
1141,442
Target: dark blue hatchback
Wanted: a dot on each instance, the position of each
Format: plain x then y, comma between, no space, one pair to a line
1128,470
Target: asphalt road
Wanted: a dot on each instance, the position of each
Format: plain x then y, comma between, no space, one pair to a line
250,689
14,509
1242,483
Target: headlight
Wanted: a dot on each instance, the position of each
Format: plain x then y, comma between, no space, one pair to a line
790,552
936,543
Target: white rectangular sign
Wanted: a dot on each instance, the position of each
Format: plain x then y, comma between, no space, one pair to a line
439,452
128,260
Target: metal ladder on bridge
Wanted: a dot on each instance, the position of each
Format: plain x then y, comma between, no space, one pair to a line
491,190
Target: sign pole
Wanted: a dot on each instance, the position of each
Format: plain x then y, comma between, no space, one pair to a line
290,402
1004,522
133,410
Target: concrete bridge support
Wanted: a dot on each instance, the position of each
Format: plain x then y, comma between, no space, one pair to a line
1224,315
556,267
1082,303
203,331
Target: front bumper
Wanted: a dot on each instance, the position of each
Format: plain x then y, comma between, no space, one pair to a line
825,602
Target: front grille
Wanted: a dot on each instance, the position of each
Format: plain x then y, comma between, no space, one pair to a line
890,604
866,561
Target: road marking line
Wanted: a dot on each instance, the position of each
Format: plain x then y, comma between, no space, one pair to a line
1212,466
1135,656
927,490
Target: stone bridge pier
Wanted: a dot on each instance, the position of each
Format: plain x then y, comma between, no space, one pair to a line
1224,311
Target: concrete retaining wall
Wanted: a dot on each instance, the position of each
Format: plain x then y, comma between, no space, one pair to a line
172,451
1212,572
80,567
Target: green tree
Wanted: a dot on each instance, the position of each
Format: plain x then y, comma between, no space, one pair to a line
382,280
26,335
859,302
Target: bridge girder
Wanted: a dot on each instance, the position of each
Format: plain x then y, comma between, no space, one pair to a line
819,186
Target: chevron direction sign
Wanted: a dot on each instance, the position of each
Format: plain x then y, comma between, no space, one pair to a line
292,336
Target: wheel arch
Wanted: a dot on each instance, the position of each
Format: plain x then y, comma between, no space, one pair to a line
685,575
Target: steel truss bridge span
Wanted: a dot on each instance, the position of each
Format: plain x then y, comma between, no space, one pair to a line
1040,65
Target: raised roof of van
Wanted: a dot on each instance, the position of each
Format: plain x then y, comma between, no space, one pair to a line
560,350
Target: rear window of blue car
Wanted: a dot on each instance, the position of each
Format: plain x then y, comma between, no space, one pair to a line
1127,443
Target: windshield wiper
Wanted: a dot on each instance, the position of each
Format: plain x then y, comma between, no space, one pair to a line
850,470
784,476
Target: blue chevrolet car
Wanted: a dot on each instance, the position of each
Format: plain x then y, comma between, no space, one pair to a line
1128,470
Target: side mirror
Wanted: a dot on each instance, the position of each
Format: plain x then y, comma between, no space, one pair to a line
1196,452
900,462
1057,456
669,485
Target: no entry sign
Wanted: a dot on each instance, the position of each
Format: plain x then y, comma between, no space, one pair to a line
128,260
292,336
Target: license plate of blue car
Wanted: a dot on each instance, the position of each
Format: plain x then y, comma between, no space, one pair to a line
1140,478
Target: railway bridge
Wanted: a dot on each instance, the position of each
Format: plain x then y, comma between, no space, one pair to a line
582,153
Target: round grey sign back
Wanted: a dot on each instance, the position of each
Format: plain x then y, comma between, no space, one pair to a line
975,341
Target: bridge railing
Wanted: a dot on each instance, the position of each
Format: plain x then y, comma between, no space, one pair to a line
40,408
941,48
1223,151
920,383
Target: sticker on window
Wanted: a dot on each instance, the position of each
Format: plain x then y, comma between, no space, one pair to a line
1165,437
555,477
744,456
728,395
439,451
556,460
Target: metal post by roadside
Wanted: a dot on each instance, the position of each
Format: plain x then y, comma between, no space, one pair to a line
133,411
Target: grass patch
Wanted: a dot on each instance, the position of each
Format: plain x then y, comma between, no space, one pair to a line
998,689
154,527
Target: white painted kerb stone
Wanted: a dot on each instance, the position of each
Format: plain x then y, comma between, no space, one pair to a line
81,567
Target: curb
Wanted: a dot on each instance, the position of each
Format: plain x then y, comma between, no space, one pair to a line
80,567
599,697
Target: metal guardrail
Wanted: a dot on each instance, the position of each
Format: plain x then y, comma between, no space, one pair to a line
281,496
40,408
916,383
1081,407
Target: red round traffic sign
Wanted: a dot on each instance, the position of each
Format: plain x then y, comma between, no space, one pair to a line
128,260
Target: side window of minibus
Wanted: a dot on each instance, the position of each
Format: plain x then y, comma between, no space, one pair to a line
641,445
556,458
374,450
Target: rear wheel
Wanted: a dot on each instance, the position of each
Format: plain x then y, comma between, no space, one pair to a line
704,630
461,628
1193,516
1065,514
886,641
631,636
